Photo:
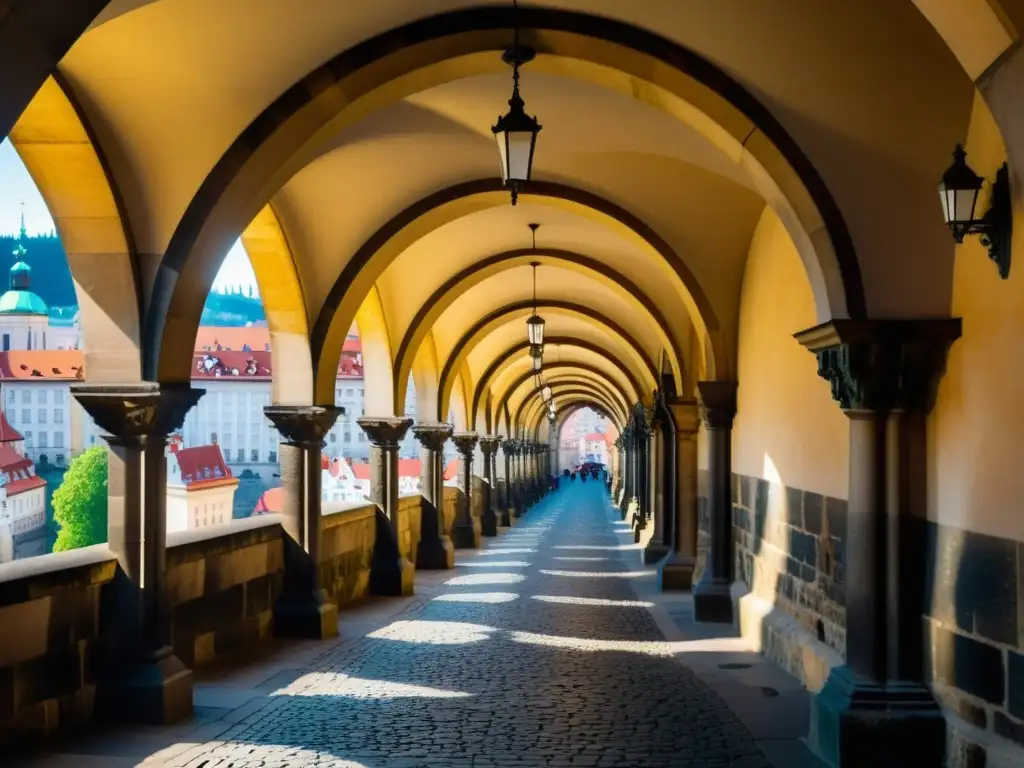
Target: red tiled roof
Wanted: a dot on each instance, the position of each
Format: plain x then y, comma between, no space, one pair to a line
11,460
596,437
452,470
202,466
214,338
32,364
271,502
8,434
15,487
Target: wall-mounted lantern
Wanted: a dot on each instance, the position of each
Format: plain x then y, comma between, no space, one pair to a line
959,191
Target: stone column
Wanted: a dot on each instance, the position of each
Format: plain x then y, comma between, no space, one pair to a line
712,596
876,709
147,682
657,548
489,521
525,457
303,609
641,436
435,549
466,533
509,509
391,573
677,573
627,471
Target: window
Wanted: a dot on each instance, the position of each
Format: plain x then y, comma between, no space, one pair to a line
240,455
334,437
348,393
11,396
7,342
362,437
26,397
58,396
58,415
26,415
41,397
213,438
42,415
28,437
272,457
255,455
58,439
42,440
348,437
227,439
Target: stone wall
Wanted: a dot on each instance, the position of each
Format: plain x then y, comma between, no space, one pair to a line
454,498
222,583
348,534
974,631
51,631
411,524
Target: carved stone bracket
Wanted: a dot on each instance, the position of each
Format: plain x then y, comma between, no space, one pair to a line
686,417
384,431
131,411
432,436
489,444
303,425
718,403
882,365
465,443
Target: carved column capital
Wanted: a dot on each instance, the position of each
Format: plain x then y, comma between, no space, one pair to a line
718,403
303,425
686,417
133,411
384,431
489,444
882,365
509,447
465,443
432,436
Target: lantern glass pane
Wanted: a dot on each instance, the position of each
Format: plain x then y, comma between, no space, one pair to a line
966,199
538,362
501,137
520,151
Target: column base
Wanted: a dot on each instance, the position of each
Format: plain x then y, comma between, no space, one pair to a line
655,553
309,616
150,692
676,574
712,601
435,554
466,535
885,725
392,577
489,523
506,518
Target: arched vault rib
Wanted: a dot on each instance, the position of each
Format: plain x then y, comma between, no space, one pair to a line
63,159
459,284
457,44
564,411
601,382
570,344
532,407
394,237
503,398
500,316
607,389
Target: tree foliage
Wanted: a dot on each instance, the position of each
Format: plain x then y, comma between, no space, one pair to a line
80,503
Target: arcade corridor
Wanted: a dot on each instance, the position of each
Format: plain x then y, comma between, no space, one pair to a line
535,651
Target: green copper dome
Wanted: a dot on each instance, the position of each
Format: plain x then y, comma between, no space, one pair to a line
22,303
20,300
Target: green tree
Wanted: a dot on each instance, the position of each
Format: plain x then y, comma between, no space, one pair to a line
80,503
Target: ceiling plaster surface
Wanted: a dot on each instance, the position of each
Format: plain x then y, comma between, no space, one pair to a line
866,87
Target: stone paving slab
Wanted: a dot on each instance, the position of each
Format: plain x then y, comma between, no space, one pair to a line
546,648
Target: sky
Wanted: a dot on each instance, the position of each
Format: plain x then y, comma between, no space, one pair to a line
17,187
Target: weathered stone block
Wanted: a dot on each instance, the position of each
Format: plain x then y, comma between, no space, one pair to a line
26,631
967,664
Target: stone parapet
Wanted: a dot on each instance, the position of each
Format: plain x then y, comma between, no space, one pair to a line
53,630
348,536
222,583
411,508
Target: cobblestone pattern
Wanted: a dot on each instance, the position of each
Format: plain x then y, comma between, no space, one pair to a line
525,660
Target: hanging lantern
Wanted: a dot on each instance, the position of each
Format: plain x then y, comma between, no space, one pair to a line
516,132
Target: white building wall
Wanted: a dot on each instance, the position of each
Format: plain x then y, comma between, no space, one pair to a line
40,410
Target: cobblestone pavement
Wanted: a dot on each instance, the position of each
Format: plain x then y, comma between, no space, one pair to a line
536,653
